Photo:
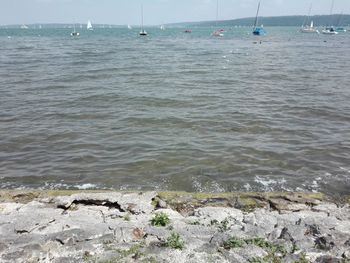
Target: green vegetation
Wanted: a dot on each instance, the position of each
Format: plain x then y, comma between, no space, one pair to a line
234,242
160,219
195,223
302,259
183,201
224,225
134,251
127,217
275,252
175,241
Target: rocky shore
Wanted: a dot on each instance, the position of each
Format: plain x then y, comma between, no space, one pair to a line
172,227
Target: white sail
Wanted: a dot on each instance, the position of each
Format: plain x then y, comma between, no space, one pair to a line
129,27
89,25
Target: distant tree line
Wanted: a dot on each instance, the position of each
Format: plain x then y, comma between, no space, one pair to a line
319,20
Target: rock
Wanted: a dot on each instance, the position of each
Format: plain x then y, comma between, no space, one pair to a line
219,214
286,235
115,227
328,259
135,203
324,243
313,230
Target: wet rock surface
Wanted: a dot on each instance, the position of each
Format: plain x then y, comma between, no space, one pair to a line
123,227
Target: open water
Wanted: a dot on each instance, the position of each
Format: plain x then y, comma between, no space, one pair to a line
175,111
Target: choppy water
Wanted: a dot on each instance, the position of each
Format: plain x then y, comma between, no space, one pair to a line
175,111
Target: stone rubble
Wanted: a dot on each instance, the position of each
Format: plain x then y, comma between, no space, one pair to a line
115,227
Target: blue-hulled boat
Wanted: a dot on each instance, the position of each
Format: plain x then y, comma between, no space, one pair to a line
258,31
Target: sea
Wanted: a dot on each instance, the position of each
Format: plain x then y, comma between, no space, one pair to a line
173,111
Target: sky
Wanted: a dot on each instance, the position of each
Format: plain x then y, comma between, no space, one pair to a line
122,12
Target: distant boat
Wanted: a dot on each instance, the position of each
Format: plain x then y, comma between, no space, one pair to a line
188,31
308,29
219,32
330,30
162,27
24,27
258,31
143,31
129,27
341,29
74,33
89,26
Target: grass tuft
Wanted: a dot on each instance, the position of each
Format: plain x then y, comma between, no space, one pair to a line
160,220
175,241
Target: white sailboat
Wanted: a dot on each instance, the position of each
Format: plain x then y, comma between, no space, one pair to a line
143,31
89,26
330,29
306,28
162,27
129,27
24,26
309,29
218,32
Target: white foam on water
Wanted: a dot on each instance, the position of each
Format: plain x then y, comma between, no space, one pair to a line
247,187
345,169
270,185
210,187
86,186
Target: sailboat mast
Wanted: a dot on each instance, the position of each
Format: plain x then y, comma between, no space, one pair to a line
142,17
256,17
331,12
217,13
307,18
332,7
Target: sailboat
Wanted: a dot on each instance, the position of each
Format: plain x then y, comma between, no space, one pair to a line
258,31
218,32
24,26
330,29
306,28
143,31
162,27
74,33
129,26
309,29
89,26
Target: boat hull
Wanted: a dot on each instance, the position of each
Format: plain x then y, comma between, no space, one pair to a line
259,32
328,32
309,30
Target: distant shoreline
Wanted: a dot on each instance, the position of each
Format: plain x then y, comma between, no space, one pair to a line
292,21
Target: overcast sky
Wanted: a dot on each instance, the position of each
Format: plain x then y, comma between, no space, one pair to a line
155,11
